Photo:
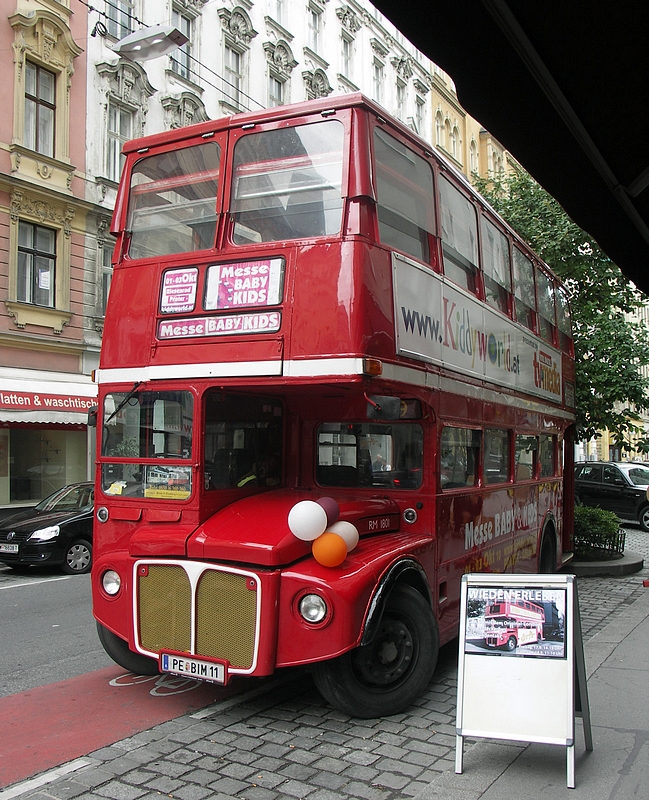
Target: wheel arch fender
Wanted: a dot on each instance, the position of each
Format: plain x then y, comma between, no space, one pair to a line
406,571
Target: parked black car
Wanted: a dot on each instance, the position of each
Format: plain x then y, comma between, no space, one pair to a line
619,486
56,531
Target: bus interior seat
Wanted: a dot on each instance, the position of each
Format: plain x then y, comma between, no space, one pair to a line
337,475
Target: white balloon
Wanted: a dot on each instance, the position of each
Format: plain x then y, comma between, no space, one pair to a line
307,520
346,531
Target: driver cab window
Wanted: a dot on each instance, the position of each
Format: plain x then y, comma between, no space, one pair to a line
243,441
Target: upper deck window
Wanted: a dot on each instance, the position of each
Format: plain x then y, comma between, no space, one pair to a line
524,289
495,263
404,183
563,320
459,235
287,183
547,322
172,205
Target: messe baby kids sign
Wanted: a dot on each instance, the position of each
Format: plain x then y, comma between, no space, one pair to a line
244,285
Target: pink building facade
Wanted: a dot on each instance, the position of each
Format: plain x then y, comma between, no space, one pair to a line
45,386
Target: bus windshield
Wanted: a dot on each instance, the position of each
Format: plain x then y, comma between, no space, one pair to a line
172,205
287,183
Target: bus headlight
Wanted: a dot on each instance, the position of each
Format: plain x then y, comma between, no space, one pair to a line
312,608
111,582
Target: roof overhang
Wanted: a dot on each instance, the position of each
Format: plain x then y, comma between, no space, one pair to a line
565,88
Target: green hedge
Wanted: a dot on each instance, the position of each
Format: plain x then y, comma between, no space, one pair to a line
597,533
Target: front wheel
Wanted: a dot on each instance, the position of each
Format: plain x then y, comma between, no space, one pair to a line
511,643
119,651
78,558
386,675
643,518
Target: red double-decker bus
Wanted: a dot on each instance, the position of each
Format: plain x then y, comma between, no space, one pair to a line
318,332
509,624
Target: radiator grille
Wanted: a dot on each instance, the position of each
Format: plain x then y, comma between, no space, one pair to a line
225,613
165,609
225,618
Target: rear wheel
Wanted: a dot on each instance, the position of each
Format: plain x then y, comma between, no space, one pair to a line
547,558
643,518
119,651
385,676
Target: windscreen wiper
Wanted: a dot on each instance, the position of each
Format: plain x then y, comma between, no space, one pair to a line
124,402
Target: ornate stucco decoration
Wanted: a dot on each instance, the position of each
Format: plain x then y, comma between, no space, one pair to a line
421,86
183,109
348,19
237,26
20,205
378,47
317,84
280,58
46,38
194,7
127,83
403,67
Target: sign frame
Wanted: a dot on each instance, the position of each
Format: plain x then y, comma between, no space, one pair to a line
547,679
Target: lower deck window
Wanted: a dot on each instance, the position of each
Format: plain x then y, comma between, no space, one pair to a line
526,457
460,456
370,454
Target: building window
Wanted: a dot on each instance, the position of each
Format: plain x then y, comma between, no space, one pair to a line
315,20
346,56
40,109
439,130
454,142
279,11
36,264
275,92
233,76
420,114
120,130
119,17
379,77
106,275
181,57
401,100
473,159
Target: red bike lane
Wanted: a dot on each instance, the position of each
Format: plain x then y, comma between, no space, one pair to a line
53,724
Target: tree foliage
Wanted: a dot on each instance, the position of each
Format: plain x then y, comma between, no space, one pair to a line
610,348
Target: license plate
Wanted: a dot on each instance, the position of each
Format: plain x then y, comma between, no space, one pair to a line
8,548
193,667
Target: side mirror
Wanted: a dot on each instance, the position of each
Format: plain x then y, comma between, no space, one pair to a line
383,407
92,416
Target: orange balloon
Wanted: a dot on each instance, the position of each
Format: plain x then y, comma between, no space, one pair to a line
330,550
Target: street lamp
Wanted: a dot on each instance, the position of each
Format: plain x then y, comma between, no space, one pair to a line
152,42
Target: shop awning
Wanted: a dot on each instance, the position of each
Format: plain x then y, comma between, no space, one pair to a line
41,397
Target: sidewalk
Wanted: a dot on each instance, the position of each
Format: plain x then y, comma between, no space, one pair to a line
285,742
617,664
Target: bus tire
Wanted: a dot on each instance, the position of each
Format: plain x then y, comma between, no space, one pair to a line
547,556
511,643
386,675
119,651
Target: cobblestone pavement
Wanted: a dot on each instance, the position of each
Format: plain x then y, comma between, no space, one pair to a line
289,744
